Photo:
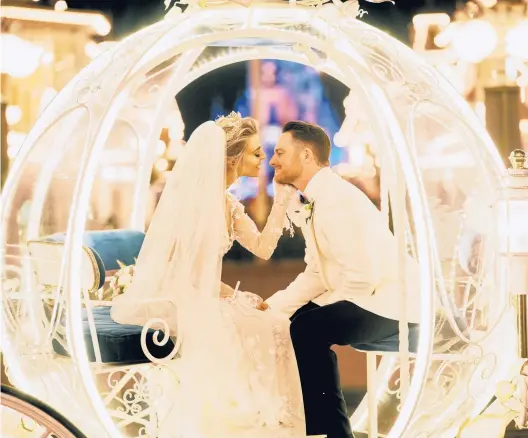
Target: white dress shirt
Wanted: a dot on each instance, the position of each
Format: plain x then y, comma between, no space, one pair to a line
350,254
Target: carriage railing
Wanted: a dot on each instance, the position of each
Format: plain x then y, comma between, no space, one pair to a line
130,390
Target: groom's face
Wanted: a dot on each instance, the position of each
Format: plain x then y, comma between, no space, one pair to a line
286,160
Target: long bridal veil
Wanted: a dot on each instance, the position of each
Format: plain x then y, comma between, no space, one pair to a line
177,280
180,257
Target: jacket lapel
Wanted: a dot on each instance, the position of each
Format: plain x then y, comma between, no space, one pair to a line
317,253
316,188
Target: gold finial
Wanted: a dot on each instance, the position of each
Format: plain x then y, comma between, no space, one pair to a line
517,159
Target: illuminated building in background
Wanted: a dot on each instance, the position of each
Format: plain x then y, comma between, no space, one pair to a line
483,51
285,91
42,50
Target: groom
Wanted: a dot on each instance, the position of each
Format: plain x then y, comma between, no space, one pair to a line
350,291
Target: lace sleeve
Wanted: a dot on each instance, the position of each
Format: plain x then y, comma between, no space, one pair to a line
262,244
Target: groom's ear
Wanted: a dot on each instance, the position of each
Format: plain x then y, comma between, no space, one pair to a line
307,154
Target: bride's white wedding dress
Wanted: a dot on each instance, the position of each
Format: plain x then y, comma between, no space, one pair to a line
237,369
274,399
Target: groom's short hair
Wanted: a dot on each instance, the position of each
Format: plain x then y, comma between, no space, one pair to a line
312,135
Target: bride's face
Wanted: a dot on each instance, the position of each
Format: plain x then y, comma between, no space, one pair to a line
252,158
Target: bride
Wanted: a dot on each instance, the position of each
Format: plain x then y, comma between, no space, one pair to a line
237,368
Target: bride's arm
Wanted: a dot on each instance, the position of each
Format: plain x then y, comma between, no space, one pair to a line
262,244
226,291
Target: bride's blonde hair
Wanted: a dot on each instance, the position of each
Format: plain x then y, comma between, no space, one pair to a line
238,130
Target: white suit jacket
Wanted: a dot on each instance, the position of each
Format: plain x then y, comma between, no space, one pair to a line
350,254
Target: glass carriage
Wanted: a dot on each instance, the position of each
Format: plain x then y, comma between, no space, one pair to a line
441,178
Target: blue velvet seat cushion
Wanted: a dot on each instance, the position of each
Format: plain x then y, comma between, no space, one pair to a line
118,343
392,343
108,247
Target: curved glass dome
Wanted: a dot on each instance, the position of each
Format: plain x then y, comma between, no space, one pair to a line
439,168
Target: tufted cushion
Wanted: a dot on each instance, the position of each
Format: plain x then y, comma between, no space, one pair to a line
117,342
392,343
108,247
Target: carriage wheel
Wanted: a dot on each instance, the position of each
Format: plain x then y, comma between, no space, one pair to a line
35,413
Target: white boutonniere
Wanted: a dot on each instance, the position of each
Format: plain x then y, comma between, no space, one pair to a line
309,211
299,211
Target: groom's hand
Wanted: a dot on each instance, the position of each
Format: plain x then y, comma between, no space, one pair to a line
262,306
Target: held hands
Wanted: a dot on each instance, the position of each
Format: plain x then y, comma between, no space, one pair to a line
229,294
283,192
255,301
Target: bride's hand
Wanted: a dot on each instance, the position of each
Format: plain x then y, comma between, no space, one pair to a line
283,192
